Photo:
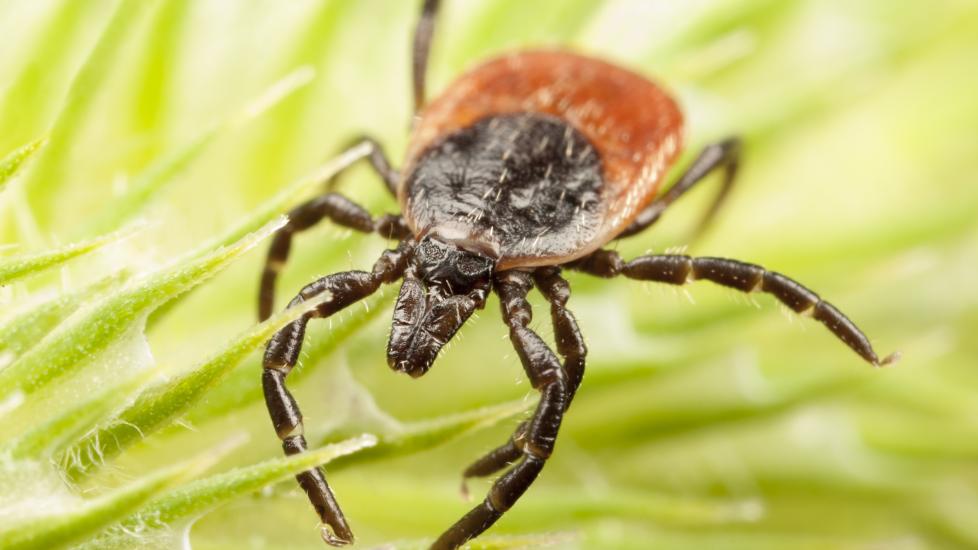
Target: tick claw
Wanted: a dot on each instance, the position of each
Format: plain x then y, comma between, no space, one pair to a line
890,359
466,496
332,539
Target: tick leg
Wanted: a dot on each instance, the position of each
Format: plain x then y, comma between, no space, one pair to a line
570,346
679,269
281,356
422,46
337,208
498,458
723,155
378,161
540,431
570,341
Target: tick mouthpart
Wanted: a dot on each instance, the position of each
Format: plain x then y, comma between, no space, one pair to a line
414,361
425,319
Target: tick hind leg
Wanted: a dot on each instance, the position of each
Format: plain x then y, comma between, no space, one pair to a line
535,438
281,356
341,211
723,155
679,269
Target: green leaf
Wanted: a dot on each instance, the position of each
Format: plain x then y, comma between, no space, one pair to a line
12,163
201,496
197,497
54,436
47,174
161,405
420,436
18,267
243,387
29,327
69,526
275,205
148,184
34,90
293,193
93,329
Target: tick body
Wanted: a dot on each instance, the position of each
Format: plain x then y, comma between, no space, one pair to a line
543,156
527,165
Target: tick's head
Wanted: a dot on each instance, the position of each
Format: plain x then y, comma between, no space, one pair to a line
446,283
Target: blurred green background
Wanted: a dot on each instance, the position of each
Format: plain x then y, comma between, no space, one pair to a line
703,422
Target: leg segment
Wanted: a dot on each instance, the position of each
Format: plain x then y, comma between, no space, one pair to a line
378,161
540,431
422,46
281,356
570,346
679,269
498,458
723,155
570,341
337,208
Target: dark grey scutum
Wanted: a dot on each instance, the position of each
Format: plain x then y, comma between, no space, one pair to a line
532,179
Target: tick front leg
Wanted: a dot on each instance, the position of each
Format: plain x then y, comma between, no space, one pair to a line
423,33
723,155
378,161
281,356
539,432
679,269
333,206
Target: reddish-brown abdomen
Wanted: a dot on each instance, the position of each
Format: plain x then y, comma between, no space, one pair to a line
634,124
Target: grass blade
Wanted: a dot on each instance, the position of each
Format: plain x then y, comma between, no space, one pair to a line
29,327
18,267
60,530
164,171
275,206
197,497
161,405
421,436
293,193
55,435
92,330
42,182
13,162
243,387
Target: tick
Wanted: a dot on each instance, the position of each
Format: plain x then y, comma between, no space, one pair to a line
526,165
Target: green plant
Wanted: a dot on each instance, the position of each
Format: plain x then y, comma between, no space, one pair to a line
146,152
